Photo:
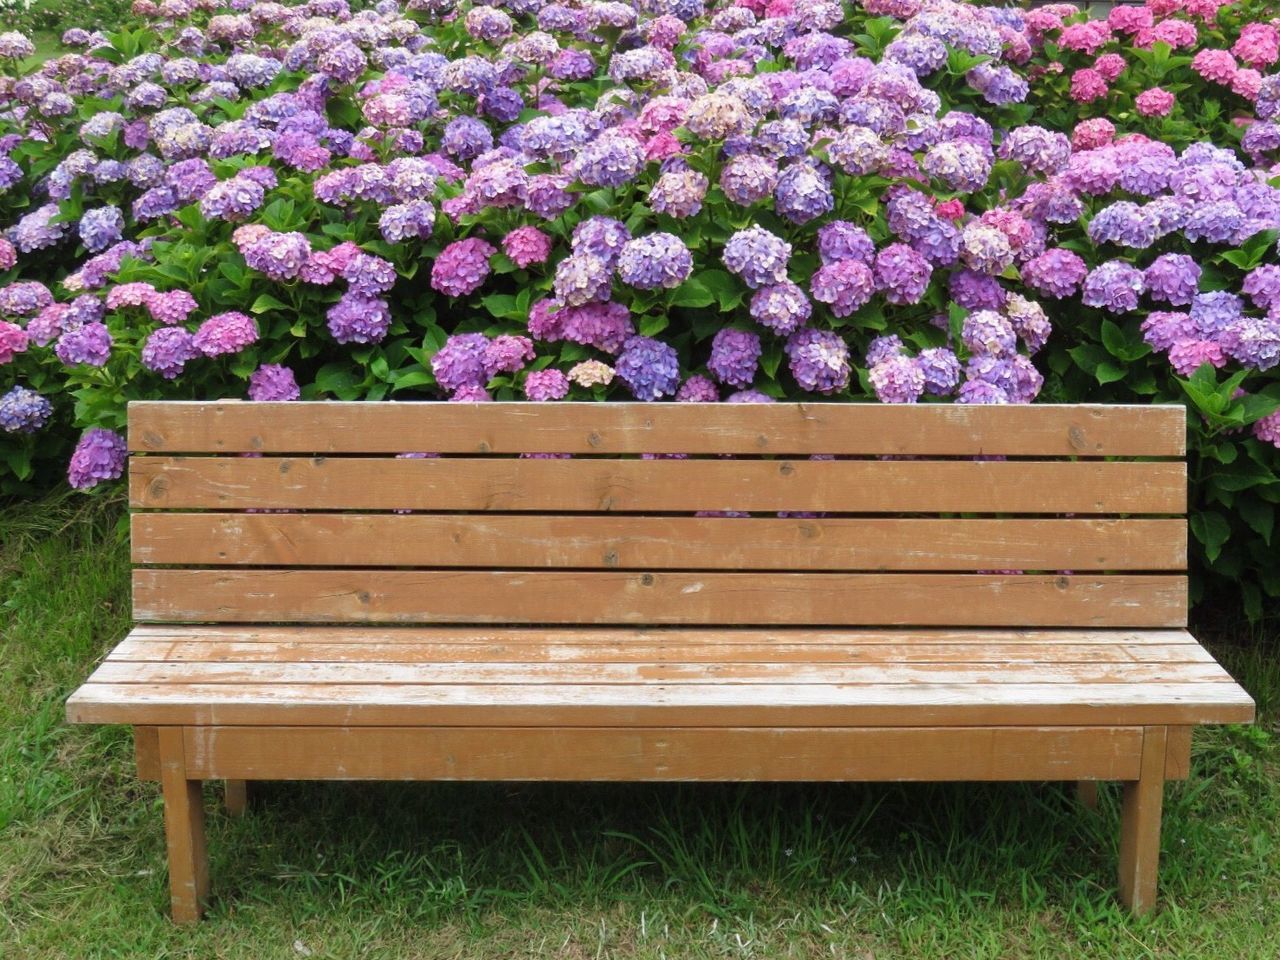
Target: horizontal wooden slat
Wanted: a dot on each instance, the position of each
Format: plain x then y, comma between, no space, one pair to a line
785,428
601,754
632,542
665,637
302,650
678,705
645,675
856,486
400,596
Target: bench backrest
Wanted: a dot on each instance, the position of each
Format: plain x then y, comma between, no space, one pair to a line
932,515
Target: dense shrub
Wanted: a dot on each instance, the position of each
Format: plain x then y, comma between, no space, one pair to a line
904,201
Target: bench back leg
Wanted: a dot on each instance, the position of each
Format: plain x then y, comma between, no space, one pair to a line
184,830
1140,825
1087,794
236,797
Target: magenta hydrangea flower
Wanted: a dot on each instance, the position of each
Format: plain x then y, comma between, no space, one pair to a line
99,456
1155,102
544,385
526,246
225,333
167,351
13,341
171,307
462,267
271,381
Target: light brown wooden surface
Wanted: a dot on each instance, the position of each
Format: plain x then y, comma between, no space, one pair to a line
184,829
638,542
599,428
485,753
1140,811
619,486
1177,761
599,597
235,797
678,705
146,752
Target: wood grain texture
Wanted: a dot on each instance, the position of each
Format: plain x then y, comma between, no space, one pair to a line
1177,760
602,754
656,543
1140,812
644,675
146,752
235,797
568,597
600,428
184,830
674,705
647,486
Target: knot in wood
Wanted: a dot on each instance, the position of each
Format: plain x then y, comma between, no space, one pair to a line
593,439
787,469
363,596
1062,583
1076,437
647,580
153,440
285,466
611,558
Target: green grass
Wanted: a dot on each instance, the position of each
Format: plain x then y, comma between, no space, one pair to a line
486,871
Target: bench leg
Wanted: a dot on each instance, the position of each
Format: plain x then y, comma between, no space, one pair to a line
184,830
1087,793
236,797
1140,826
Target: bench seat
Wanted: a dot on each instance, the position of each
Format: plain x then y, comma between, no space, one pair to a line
571,591
618,677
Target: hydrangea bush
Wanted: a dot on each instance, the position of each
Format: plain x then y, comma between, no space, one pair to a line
900,201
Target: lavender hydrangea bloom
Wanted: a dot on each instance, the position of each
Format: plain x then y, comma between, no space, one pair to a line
941,369
506,354
748,178
897,379
656,261
89,344
846,285
1055,273
735,355
819,360
757,256
403,221
902,274
781,307
1211,313
601,237
1172,278
271,381
359,318
1115,286
649,368
1262,286
1253,341
167,351
582,278
842,240
225,333
698,389
985,331
1125,224
22,410
460,362
803,193
101,227
99,456
462,267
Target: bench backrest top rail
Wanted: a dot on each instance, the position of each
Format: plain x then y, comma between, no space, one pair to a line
932,515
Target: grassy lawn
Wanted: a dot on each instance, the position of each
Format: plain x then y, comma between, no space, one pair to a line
460,871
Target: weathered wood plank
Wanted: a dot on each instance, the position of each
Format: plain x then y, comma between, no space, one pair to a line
1141,805
184,829
301,650
399,596
665,636
620,486
677,705
791,428
600,754
656,543
645,675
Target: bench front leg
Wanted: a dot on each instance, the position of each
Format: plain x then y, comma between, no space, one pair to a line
236,797
183,829
1140,825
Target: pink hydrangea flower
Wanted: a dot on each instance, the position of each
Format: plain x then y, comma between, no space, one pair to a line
1218,66
526,246
1110,65
1247,83
1258,45
1154,102
1091,134
1088,85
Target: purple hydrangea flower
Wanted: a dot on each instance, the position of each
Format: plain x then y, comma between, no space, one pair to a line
649,368
167,351
757,256
897,379
819,360
1172,278
985,331
656,261
544,385
22,410
506,354
846,285
781,307
357,318
735,355
1115,286
225,333
101,227
271,381
698,389
1262,286
404,221
462,267
461,361
803,193
582,278
902,274
941,369
1253,341
842,240
100,455
1055,273
89,344
1211,313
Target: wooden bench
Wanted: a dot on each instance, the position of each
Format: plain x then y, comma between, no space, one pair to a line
961,593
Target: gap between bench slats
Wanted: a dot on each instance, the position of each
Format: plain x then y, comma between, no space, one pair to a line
846,486
632,542
598,597
786,428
